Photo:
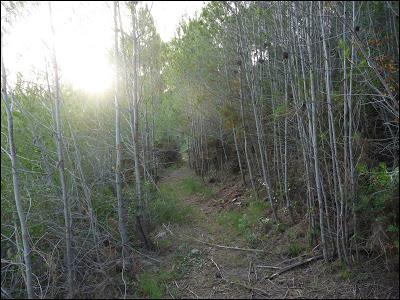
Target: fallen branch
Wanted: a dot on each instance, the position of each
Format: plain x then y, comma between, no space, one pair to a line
219,270
292,259
145,255
300,263
227,247
269,267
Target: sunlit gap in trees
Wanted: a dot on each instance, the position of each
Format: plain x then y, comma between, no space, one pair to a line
82,40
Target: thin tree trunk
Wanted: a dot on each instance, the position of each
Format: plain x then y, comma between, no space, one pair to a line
118,184
315,142
60,156
238,155
15,176
141,223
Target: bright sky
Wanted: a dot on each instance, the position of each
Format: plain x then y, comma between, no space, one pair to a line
84,33
167,15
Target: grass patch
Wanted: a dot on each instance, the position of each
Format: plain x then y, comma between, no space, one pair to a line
193,185
340,268
168,208
153,285
150,286
295,250
249,218
248,221
345,274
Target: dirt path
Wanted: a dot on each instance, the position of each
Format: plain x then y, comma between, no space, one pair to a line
209,269
194,267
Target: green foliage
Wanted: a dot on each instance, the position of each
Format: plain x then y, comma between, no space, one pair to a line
102,201
230,116
295,249
342,45
378,190
280,111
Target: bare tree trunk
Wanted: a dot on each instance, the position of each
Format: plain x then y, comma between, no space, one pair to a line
238,155
118,184
266,179
15,176
288,205
60,155
249,166
315,142
350,132
141,223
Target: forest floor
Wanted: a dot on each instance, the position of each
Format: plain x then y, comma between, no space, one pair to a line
195,261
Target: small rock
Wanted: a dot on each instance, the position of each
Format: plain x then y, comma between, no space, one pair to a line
218,275
195,252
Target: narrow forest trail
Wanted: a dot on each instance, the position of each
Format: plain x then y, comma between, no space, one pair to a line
196,264
201,278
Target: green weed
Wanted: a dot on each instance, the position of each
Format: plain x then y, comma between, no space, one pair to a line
344,274
295,250
150,286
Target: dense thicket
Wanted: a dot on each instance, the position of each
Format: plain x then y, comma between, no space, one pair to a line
301,99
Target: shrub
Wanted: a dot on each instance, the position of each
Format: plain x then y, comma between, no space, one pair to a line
378,198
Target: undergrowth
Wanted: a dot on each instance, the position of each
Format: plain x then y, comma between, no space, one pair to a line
248,221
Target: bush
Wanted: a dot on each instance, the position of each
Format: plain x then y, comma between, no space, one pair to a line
378,198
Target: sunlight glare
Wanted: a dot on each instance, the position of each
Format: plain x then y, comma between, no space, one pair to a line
89,73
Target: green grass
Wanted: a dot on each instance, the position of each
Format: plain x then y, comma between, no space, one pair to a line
150,286
339,268
191,186
295,249
247,221
167,207
344,274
